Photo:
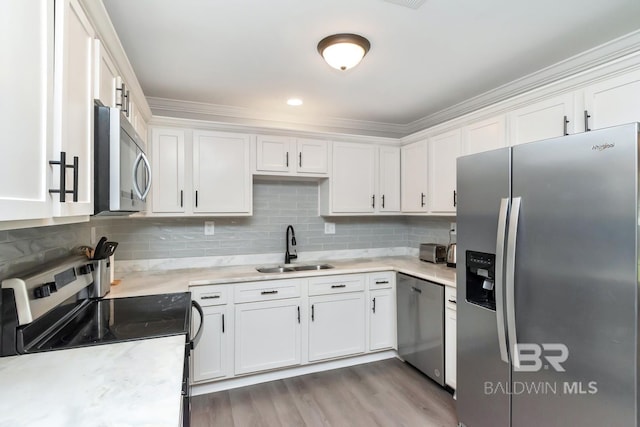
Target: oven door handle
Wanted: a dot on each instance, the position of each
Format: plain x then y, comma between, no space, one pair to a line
192,343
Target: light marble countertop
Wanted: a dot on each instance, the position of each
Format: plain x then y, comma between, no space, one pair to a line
135,383
150,282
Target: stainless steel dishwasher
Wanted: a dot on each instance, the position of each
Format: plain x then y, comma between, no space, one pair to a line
421,325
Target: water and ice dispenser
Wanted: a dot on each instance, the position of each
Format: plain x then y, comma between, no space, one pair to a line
481,269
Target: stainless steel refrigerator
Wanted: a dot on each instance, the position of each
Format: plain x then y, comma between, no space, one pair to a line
547,281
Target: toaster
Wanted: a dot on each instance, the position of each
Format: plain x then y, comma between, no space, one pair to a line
433,252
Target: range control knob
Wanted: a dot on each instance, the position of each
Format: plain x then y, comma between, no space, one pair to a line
45,290
85,269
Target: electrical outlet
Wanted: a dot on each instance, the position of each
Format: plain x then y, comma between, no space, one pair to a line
454,228
209,228
329,228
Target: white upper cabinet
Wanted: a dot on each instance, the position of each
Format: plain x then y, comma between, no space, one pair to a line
388,180
484,135
168,170
612,102
73,106
311,156
545,119
106,75
353,178
222,180
25,120
414,177
273,153
281,155
443,151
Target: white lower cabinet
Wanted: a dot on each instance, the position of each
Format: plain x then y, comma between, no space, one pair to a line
253,327
336,325
450,337
267,335
210,359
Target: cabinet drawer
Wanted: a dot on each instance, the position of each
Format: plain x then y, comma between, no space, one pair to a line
450,297
381,280
267,290
336,284
209,295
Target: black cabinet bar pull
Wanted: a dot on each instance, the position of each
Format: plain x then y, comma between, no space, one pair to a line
196,198
382,282
62,191
452,301
210,297
181,198
455,198
383,201
298,314
587,116
374,305
422,195
565,122
413,288
286,159
223,323
313,312
300,159
338,286
269,292
373,201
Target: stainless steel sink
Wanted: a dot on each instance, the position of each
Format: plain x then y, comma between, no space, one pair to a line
283,269
312,267
278,269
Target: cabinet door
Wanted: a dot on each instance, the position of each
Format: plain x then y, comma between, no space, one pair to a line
614,101
267,335
337,325
210,356
105,76
485,135
389,180
222,180
546,119
353,177
450,348
167,157
26,85
73,97
312,156
444,151
382,319
414,177
273,153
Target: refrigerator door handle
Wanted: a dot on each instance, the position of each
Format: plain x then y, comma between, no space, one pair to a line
510,280
499,287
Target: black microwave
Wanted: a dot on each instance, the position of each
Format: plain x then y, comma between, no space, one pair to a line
122,173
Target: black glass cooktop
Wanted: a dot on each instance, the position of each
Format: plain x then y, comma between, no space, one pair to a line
107,321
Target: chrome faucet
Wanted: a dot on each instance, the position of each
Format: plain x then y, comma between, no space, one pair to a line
288,256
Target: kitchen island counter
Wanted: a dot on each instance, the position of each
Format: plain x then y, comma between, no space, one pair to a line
169,281
135,383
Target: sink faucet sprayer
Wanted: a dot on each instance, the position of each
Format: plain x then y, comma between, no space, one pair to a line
287,256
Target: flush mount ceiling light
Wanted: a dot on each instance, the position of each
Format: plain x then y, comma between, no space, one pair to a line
294,102
343,51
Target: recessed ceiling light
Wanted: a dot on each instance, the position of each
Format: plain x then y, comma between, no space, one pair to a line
294,102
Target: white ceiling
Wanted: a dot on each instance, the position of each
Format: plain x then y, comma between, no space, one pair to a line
254,54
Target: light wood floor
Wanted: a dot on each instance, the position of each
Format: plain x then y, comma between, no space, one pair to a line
385,393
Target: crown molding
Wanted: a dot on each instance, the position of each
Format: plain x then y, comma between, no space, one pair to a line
266,120
584,61
287,130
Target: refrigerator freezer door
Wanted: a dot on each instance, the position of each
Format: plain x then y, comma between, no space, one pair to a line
483,181
576,280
